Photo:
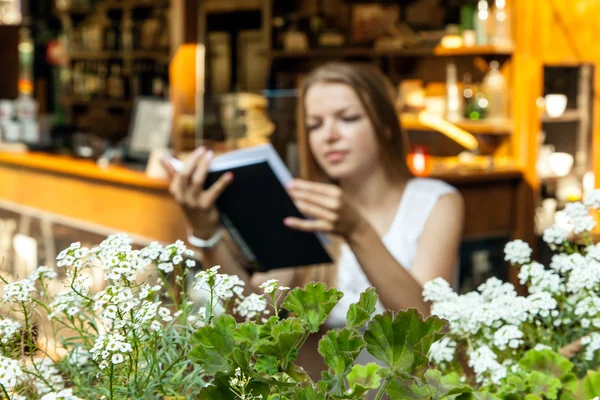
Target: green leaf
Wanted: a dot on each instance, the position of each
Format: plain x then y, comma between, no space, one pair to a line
267,365
213,344
247,335
339,348
308,392
590,385
281,342
532,396
312,304
570,382
332,385
547,362
359,313
402,340
437,387
363,378
544,384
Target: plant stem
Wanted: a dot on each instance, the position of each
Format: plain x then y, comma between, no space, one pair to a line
383,387
5,392
112,367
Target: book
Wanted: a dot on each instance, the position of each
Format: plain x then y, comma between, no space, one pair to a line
254,205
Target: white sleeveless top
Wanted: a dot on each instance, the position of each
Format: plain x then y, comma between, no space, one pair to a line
418,199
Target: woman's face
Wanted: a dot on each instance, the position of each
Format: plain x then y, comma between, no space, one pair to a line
340,133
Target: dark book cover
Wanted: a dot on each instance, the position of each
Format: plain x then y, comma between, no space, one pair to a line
252,210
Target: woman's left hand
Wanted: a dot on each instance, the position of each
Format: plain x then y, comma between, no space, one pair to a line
327,204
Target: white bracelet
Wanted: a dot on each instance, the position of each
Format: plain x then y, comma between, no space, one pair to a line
205,244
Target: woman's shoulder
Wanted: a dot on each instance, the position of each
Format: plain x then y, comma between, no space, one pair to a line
430,187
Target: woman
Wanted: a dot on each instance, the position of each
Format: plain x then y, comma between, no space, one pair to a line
398,232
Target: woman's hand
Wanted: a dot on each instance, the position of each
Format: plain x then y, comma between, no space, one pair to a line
187,186
327,204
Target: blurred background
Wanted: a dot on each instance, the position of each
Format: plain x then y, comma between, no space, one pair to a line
497,97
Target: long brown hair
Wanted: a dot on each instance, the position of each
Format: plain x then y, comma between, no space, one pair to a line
377,95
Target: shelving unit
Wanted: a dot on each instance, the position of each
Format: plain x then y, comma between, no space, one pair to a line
343,52
501,128
137,68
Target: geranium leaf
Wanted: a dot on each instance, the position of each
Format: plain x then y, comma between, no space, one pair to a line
544,385
308,392
213,344
363,378
247,334
590,385
339,348
359,313
437,387
282,341
267,365
401,340
312,304
332,385
547,362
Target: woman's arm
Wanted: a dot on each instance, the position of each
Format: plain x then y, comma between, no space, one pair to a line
436,256
398,289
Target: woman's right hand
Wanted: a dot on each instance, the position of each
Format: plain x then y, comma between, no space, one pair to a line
187,186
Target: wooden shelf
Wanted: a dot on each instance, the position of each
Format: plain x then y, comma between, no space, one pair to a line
107,55
568,116
223,6
101,103
489,50
95,55
411,122
337,52
116,4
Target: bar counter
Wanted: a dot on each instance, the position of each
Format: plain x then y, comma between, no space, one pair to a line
116,199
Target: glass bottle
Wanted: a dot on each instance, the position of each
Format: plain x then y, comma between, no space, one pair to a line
494,87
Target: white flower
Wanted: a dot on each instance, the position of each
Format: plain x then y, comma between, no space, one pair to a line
108,345
44,376
43,273
165,314
10,372
251,306
517,252
224,287
155,326
555,235
19,291
271,286
508,335
592,345
166,267
542,304
69,302
592,199
484,364
442,351
65,394
177,259
539,347
438,290
117,358
190,263
579,217
8,328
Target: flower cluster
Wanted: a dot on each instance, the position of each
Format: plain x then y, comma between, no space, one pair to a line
19,291
8,329
111,348
496,326
10,372
65,394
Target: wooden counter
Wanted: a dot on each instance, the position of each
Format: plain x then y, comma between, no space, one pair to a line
124,200
78,192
